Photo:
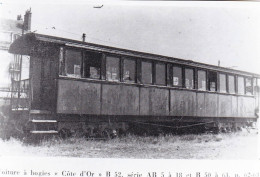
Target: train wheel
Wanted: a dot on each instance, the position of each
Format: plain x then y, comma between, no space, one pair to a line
106,134
120,133
65,133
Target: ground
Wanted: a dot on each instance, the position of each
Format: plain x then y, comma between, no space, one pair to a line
240,145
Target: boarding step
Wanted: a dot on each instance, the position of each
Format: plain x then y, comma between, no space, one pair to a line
44,121
44,132
44,126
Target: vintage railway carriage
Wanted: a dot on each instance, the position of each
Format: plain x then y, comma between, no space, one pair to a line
93,89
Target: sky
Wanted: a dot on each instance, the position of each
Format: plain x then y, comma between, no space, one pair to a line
203,31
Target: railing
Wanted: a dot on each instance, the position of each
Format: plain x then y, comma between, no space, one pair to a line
20,94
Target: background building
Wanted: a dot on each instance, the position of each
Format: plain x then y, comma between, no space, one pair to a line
12,70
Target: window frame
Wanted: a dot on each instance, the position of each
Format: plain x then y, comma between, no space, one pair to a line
64,59
152,71
155,72
119,65
252,91
122,69
235,84
184,77
208,81
138,73
254,85
84,74
226,82
197,78
237,76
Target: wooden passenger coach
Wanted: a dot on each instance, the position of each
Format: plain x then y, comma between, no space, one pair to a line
93,89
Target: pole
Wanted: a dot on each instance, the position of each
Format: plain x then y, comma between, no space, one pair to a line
19,82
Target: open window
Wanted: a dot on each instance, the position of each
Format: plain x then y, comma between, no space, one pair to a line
129,70
201,80
147,72
93,65
160,74
212,81
73,59
222,83
231,84
240,85
177,76
189,78
112,68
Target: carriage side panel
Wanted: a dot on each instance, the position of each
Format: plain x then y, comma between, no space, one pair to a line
159,101
246,107
76,97
90,98
224,106
200,104
68,97
211,105
183,103
120,100
234,106
144,101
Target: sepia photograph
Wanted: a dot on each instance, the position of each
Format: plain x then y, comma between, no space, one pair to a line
129,80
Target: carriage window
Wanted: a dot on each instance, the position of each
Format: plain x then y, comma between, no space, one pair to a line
177,76
112,68
240,85
129,71
93,65
189,78
212,77
73,63
257,87
146,72
222,83
249,88
201,80
231,84
254,85
160,74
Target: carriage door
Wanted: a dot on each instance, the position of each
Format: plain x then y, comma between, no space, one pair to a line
47,84
41,74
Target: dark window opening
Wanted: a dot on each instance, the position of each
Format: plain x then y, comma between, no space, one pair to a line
240,85
201,80
129,71
146,72
73,63
189,78
222,83
177,76
249,88
212,78
231,84
93,65
160,73
112,68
